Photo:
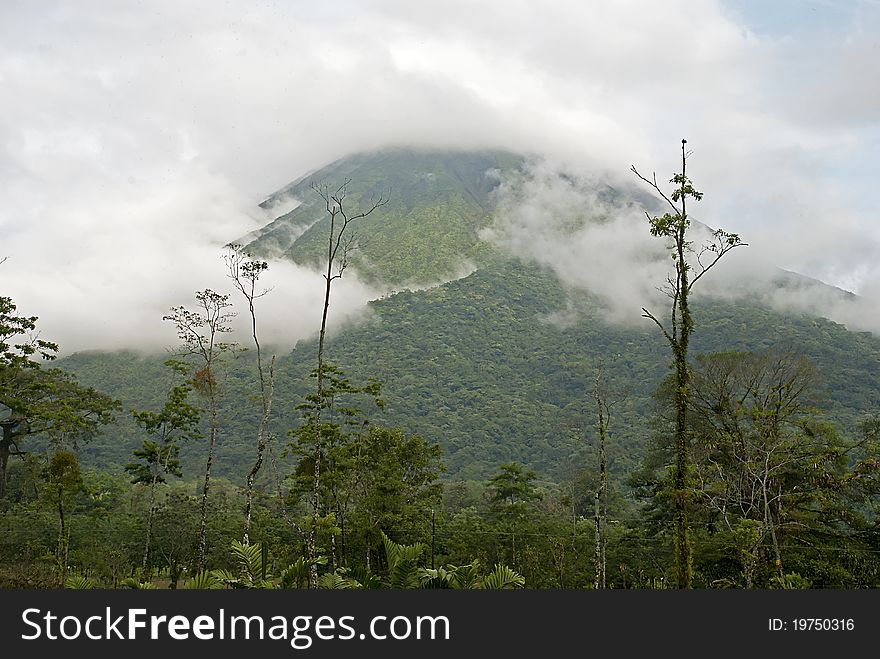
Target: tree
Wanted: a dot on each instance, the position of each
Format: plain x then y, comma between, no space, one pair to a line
394,484
175,532
63,479
764,460
600,518
341,242
690,267
332,422
37,401
512,490
200,332
19,341
245,272
176,421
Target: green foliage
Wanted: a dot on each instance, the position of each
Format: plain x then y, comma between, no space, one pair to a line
393,485
403,568
296,575
252,566
495,368
339,579
207,580
769,478
503,578
469,577
429,230
513,487
79,582
477,366
791,581
48,403
19,341
134,584
404,571
177,421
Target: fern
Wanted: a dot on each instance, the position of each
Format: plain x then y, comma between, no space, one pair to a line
252,566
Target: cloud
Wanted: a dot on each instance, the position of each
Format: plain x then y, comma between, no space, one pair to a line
137,138
592,236
595,238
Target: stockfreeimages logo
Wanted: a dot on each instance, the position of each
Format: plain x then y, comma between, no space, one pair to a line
300,631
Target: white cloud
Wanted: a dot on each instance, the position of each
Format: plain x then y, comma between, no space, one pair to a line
136,138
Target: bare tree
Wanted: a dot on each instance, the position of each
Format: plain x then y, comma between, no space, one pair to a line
245,272
690,266
341,242
200,332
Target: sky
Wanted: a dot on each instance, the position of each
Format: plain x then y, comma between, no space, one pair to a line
137,138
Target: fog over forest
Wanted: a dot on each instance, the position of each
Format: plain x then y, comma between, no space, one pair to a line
139,139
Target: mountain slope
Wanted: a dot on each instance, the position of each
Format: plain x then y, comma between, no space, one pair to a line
483,366
497,365
438,202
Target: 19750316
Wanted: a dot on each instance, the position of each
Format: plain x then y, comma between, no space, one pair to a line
812,624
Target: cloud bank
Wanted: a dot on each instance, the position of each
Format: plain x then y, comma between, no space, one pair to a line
595,237
138,138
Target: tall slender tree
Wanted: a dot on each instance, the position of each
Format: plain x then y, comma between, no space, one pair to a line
245,273
200,334
690,265
603,416
341,243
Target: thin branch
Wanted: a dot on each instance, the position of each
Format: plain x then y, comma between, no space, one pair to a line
653,183
648,314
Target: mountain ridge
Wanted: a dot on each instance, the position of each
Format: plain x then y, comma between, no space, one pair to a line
483,364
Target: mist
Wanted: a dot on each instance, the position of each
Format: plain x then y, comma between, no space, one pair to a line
593,233
562,221
139,138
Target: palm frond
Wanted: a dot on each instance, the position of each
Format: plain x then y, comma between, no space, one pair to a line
502,577
204,581
134,584
79,582
340,579
296,575
403,568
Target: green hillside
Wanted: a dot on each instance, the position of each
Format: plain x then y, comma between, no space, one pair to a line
497,367
438,202
479,365
483,364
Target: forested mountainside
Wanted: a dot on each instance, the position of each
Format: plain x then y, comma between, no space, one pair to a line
495,366
497,369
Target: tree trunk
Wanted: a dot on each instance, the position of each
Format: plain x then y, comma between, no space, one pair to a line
203,522
771,526
150,516
601,512
266,396
4,460
312,540
683,558
62,535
